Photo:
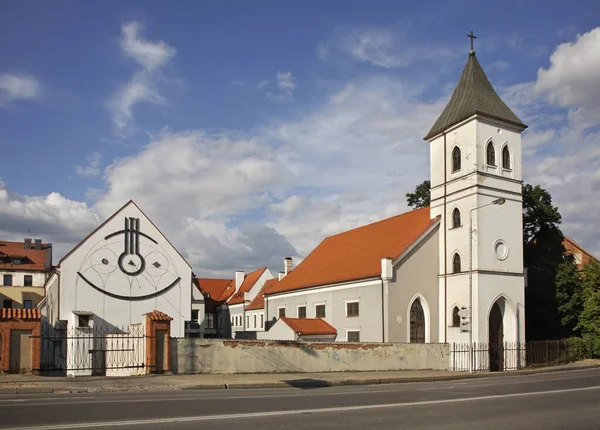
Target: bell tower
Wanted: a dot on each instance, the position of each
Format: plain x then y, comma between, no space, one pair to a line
476,176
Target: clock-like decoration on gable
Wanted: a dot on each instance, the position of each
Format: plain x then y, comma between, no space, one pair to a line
129,265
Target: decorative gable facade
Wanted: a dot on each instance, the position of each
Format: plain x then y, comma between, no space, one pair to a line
123,270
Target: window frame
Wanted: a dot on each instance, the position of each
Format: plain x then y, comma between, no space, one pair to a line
455,317
351,302
456,210
262,320
298,311
506,150
456,164
324,310
279,311
5,277
25,278
25,304
197,311
454,259
348,331
493,154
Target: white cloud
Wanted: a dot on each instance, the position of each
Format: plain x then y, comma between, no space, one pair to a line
143,87
92,168
150,55
262,84
17,87
286,82
573,78
385,47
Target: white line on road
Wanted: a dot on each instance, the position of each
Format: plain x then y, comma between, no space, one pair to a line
294,412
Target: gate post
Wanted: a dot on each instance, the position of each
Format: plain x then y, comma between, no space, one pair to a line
158,344
25,321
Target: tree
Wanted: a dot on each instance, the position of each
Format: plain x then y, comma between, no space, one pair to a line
589,320
569,296
421,197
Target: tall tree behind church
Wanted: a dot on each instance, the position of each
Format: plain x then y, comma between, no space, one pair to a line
543,252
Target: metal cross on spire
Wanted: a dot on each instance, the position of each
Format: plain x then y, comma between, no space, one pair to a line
472,36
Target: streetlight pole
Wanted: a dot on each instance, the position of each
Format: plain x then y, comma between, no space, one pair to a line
498,202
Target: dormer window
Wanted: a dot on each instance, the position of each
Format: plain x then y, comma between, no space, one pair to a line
455,159
491,155
505,158
17,261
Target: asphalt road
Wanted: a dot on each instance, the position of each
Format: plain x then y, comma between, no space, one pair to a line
561,400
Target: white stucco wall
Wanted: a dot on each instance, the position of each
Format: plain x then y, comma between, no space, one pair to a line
279,331
334,297
87,259
18,277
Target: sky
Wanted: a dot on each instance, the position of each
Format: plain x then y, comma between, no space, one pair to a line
250,131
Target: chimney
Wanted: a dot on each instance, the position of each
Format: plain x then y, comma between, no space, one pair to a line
281,275
387,272
38,244
239,279
48,262
27,243
288,265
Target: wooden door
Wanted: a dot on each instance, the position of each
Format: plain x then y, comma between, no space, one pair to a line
20,351
160,350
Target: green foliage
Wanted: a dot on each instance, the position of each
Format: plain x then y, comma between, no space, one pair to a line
589,320
421,197
569,296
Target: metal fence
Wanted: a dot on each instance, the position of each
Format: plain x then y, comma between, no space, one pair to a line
92,350
484,357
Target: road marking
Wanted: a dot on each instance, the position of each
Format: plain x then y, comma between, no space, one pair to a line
293,412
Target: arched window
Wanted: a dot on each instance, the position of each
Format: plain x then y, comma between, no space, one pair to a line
456,263
491,154
417,323
455,317
505,158
456,159
456,218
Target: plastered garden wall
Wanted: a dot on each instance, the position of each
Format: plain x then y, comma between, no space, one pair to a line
235,356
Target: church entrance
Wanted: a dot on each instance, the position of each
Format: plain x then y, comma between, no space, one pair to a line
496,339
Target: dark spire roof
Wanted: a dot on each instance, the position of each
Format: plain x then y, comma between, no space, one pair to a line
473,94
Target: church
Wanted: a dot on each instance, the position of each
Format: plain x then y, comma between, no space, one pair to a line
450,272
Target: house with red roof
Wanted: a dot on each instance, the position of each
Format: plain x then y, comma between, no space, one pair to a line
24,268
581,257
214,318
301,329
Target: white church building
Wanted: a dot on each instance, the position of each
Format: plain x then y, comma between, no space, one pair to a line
451,272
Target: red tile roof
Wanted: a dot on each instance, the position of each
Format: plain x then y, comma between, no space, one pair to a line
356,254
309,325
20,314
259,300
573,247
158,316
32,259
218,289
249,281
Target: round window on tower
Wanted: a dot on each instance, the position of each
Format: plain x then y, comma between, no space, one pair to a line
501,249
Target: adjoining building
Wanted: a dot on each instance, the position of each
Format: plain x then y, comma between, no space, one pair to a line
24,269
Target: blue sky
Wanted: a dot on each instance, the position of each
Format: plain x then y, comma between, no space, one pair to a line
272,107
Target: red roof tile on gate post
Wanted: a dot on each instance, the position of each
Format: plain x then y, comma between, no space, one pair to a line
356,254
159,316
309,325
20,314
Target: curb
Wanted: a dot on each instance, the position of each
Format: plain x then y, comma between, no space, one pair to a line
298,383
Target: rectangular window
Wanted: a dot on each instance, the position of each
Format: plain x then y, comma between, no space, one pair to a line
28,304
83,321
7,304
195,314
320,311
28,280
219,321
262,321
281,312
247,321
7,280
17,261
254,320
352,309
301,311
353,336
210,320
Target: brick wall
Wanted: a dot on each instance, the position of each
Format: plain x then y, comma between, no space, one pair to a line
6,326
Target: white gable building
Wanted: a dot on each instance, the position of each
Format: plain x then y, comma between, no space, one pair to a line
124,269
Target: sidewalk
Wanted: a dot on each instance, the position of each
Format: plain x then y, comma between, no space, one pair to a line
28,384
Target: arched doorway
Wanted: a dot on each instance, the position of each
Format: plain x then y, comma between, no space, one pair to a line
496,339
417,323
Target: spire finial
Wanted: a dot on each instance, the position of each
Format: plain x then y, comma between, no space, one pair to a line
472,36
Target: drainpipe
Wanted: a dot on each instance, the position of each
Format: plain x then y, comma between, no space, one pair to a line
382,311
445,246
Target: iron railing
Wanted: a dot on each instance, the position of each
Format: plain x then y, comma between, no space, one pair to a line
92,350
483,357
